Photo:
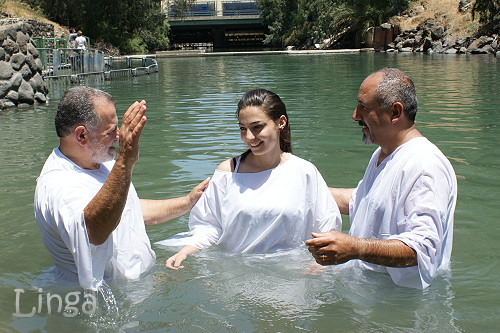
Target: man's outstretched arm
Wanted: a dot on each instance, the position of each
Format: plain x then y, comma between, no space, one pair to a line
342,197
159,211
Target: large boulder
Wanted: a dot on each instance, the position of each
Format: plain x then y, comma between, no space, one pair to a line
6,70
26,72
427,44
483,50
5,86
13,96
30,60
410,42
477,44
40,97
32,50
17,61
22,40
437,47
16,80
5,103
39,64
437,33
26,93
37,83
10,46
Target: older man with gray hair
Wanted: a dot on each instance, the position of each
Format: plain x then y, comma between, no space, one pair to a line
91,220
402,210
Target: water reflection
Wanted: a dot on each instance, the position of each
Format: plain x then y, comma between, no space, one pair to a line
192,127
287,291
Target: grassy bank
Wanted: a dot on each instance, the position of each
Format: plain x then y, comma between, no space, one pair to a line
446,13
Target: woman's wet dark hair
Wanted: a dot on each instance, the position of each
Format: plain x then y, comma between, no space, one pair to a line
273,106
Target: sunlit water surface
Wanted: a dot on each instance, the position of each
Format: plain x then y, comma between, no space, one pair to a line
192,127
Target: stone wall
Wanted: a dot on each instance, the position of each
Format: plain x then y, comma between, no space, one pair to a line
21,79
38,29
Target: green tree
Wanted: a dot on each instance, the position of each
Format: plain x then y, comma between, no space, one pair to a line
279,16
182,7
302,21
131,25
488,11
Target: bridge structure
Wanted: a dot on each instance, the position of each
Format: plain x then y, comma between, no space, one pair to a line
216,25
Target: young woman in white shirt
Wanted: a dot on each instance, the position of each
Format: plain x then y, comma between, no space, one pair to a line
266,199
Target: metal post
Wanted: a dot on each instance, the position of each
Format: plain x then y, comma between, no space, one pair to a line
55,61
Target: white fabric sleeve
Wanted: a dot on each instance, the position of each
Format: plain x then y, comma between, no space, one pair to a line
423,230
204,220
353,199
326,212
90,260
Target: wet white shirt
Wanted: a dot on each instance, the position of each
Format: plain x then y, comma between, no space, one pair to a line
262,212
62,192
410,196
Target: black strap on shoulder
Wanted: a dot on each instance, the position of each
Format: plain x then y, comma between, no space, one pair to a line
234,163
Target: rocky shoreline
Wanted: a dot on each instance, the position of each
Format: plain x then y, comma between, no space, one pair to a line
432,38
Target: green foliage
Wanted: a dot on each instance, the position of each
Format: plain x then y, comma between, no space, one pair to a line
132,25
293,22
136,43
183,6
488,10
279,15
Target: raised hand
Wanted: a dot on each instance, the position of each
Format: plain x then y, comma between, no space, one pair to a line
133,123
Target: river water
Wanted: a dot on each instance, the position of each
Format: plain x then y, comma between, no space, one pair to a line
192,127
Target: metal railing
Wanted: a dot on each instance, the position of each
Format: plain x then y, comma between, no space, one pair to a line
239,8
197,9
129,66
80,64
210,8
56,62
53,43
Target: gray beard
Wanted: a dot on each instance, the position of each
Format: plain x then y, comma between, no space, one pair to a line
100,153
366,140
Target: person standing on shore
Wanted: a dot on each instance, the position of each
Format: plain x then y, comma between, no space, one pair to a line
72,46
72,38
81,42
402,210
